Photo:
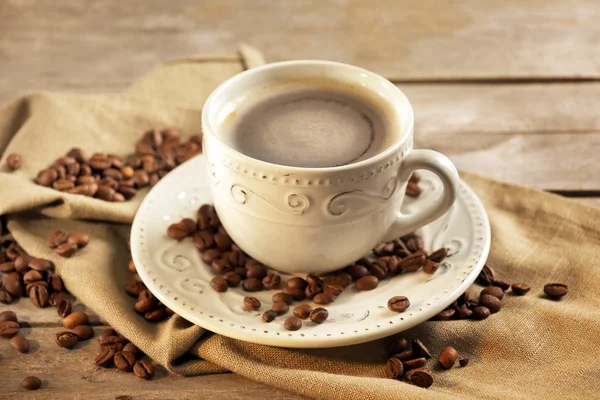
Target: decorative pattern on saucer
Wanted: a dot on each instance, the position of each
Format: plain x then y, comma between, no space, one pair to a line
175,273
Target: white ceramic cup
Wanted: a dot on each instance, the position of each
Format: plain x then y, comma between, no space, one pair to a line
315,220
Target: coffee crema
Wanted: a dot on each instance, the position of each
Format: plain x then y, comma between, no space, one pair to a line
309,123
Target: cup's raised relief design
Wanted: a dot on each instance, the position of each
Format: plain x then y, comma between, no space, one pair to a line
294,203
353,200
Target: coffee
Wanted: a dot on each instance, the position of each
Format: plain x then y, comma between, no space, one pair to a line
309,123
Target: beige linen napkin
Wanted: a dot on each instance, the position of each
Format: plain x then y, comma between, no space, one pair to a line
534,348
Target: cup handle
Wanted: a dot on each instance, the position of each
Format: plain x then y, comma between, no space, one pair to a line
445,170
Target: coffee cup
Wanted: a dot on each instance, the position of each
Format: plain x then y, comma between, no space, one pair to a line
297,217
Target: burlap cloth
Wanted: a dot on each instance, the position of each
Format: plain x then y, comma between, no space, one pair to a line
534,348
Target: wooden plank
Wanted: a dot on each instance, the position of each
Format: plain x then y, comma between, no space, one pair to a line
73,374
33,316
101,46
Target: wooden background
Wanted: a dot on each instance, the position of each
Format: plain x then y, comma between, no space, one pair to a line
507,88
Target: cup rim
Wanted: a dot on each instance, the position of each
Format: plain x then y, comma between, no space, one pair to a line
407,127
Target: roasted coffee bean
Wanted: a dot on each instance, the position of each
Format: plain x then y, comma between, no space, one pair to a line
420,350
31,383
312,290
463,312
156,315
37,283
7,267
413,262
332,288
555,291
252,285
83,332
439,255
66,249
77,154
46,177
13,162
220,266
75,319
445,315
420,377
219,284
448,357
252,303
177,231
99,161
285,297
416,363
131,267
396,346
413,189
232,279
379,268
210,255
297,282
89,190
13,284
342,279
106,333
520,289
463,361
141,179
134,287
384,249
431,267
63,185
364,261
398,304
492,303
127,192
414,243
66,339
357,271
115,343
236,258
502,285
223,242
32,276
132,348
127,172
473,302
146,302
368,282
241,271
5,297
39,296
302,311
393,369
8,316
105,357
86,180
297,294
9,329
143,369
190,225
269,316
313,280
20,343
292,324
271,281
124,360
79,239
494,291
486,276
324,298
319,315
481,312
55,282
254,269
57,238
56,297
280,308
203,240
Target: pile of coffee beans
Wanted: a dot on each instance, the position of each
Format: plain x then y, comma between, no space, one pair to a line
116,350
147,304
66,245
114,178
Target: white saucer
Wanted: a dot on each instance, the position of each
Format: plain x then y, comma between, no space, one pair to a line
175,273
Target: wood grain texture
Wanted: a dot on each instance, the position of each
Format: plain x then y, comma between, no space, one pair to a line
102,45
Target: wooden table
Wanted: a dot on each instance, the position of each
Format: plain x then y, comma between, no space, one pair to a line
509,89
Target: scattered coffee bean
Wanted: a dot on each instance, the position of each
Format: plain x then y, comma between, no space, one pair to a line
40,264
177,231
292,324
420,350
431,267
357,271
66,339
132,348
13,284
105,357
323,298
341,278
520,289
64,308
7,267
463,361
420,377
413,189
271,281
486,276
368,282
445,315
8,328
280,308
56,297
203,240
413,242
39,296
481,312
20,343
115,343
5,297
124,360
463,312
13,162
55,282
210,255
252,303
143,369
448,357
252,285
219,284
413,262
223,242
134,287
396,346
501,284
57,238
285,297
494,291
156,315
319,315
269,316
555,291
415,363
232,279
333,289
34,284
492,303
404,355
8,316
221,266
439,255
255,269
83,332
31,383
66,250
75,319
106,333
398,304
393,368
79,239
302,311
296,293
